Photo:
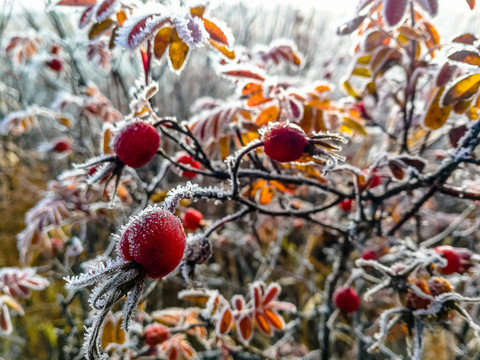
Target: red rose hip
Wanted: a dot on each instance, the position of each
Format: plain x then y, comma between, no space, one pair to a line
346,299
192,219
284,142
155,239
156,334
346,205
453,259
188,160
136,144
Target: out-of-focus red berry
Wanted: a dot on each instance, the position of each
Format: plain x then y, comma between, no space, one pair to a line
192,219
136,144
155,239
452,256
284,142
346,299
187,159
55,64
346,205
370,179
61,146
156,334
369,254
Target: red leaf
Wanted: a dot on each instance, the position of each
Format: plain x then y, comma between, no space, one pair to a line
394,10
131,35
446,74
77,2
105,9
465,39
245,73
85,17
272,293
245,328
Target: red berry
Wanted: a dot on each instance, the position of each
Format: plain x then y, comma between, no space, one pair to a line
188,160
154,239
346,299
61,146
369,254
192,219
284,142
156,334
453,258
370,178
346,205
136,144
55,64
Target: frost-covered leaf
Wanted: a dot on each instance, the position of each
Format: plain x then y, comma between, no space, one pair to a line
18,282
462,89
467,38
471,4
99,28
216,32
161,41
177,52
279,50
394,11
351,25
466,56
105,9
436,115
225,321
86,16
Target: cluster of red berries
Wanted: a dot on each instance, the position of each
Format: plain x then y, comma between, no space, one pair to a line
187,159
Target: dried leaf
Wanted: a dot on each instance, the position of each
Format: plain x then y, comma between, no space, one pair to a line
462,106
99,28
224,144
409,32
394,11
396,169
463,88
161,41
437,115
455,134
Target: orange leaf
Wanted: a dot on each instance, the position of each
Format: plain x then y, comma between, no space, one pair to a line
99,28
229,54
177,52
224,147
462,89
197,11
471,3
466,56
245,328
226,321
274,319
462,106
161,41
108,336
266,195
215,32
269,114
107,138
245,74
251,88
262,323
436,115
257,99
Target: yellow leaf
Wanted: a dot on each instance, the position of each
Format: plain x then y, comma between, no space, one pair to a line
224,143
363,72
177,52
436,116
462,89
197,11
354,125
161,41
350,90
266,195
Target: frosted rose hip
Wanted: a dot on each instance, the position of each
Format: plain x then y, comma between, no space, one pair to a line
154,239
284,142
136,144
346,299
192,219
